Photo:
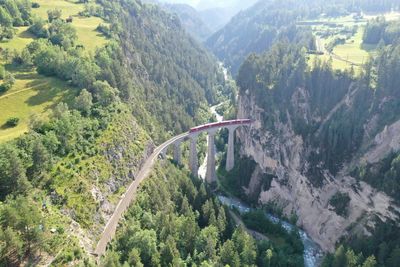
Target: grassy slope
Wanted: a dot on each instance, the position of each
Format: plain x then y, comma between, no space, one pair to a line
31,94
22,38
85,27
353,50
38,94
76,175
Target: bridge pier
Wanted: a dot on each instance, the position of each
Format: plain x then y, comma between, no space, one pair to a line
230,156
193,160
177,152
211,175
163,153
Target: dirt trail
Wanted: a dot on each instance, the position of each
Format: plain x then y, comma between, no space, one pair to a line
23,90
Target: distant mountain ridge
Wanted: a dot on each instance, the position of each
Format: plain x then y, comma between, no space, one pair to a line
202,19
191,20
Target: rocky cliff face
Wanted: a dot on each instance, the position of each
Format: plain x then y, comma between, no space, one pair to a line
279,151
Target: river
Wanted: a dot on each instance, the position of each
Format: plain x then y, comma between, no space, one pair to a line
203,166
312,251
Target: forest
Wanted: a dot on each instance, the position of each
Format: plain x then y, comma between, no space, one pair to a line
13,13
380,30
51,168
177,221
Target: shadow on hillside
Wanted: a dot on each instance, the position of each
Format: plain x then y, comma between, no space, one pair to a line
51,93
26,35
19,68
27,76
44,94
5,127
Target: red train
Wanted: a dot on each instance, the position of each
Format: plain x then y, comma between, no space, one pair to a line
219,124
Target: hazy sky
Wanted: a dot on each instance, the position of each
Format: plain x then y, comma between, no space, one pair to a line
189,2
205,4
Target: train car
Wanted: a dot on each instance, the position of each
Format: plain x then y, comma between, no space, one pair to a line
219,124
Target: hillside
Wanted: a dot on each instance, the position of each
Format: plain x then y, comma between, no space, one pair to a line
257,28
213,14
191,20
177,220
325,144
33,93
216,14
96,94
81,120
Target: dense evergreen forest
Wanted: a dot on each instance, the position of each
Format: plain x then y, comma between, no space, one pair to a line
379,30
274,76
176,221
191,20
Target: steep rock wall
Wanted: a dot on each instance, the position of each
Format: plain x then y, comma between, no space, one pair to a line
281,152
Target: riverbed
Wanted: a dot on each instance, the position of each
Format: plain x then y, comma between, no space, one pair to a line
313,253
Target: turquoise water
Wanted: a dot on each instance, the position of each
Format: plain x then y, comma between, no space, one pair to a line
312,251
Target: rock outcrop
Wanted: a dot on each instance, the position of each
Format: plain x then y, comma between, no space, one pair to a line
283,153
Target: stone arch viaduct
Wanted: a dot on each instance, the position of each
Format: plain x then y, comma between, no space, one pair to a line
211,129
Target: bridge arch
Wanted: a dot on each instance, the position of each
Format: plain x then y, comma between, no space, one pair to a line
211,129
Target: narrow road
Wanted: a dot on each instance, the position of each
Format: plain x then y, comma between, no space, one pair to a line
23,90
112,224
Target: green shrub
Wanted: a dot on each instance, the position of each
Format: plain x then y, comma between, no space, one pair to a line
12,122
2,72
8,82
4,87
340,202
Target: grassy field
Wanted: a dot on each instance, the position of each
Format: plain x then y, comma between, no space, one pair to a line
85,27
87,34
352,53
22,38
36,94
353,50
32,94
68,8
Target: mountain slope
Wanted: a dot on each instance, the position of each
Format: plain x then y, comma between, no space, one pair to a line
216,14
253,30
190,19
257,28
166,66
62,179
314,131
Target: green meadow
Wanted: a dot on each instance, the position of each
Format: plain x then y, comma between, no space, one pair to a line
351,53
34,93
31,94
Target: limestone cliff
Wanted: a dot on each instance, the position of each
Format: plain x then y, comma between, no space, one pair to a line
287,155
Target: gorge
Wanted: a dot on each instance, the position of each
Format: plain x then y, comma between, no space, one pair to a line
98,96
